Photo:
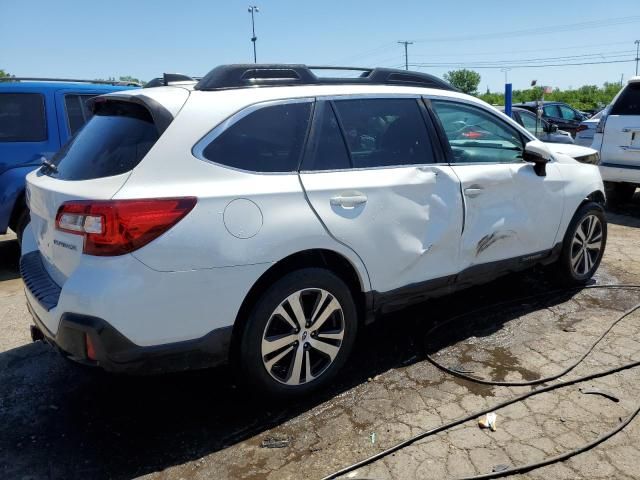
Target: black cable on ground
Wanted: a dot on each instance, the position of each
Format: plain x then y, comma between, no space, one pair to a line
519,398
539,380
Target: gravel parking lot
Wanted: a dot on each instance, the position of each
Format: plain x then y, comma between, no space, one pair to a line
59,420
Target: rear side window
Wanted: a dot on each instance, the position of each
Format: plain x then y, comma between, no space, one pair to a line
269,139
22,117
628,102
385,132
114,141
328,151
78,112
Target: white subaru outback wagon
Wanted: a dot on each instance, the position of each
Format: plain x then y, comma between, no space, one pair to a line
263,215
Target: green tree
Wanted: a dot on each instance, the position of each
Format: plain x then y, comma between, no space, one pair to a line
129,78
4,74
464,80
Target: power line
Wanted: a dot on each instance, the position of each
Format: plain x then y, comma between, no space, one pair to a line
591,56
461,65
540,30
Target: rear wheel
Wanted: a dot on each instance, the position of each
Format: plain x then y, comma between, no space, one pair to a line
299,333
583,245
620,192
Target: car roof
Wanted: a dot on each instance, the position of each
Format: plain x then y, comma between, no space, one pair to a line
534,103
54,86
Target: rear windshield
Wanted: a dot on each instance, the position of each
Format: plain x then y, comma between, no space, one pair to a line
628,102
22,117
114,141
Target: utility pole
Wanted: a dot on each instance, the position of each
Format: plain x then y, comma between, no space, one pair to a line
252,10
406,53
637,42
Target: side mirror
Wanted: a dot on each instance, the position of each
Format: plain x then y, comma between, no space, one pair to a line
553,128
536,153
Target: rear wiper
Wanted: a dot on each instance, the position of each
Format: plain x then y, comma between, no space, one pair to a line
49,165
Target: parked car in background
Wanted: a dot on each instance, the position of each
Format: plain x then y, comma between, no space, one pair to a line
617,138
564,116
542,129
587,129
37,117
243,219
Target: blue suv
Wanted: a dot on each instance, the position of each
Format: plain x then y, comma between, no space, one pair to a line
37,117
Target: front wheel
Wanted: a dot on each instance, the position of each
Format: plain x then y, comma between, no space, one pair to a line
299,334
583,245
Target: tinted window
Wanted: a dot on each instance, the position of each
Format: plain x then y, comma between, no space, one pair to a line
328,151
22,117
384,132
113,142
551,111
78,113
628,102
531,123
269,139
567,113
476,135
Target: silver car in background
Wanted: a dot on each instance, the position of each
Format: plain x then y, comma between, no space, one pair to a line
586,130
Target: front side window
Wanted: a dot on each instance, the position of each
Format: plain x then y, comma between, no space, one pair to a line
22,117
78,112
530,121
384,132
269,139
476,135
567,113
551,111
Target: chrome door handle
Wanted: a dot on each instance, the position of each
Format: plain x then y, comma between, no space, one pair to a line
350,200
472,192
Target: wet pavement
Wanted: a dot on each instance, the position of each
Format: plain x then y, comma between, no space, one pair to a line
59,420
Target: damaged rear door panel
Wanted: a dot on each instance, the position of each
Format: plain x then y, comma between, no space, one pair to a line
372,176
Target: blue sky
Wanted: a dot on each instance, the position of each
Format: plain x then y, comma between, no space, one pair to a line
143,38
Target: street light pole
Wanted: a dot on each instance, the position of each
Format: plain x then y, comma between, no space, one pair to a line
637,42
253,9
406,53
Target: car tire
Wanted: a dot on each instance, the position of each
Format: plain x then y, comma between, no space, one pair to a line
586,236
23,220
305,357
619,192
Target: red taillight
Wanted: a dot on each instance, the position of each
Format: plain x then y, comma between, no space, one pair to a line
581,128
116,227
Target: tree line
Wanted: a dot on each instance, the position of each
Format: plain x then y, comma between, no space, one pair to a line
587,97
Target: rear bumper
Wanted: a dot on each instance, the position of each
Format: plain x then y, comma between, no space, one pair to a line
115,353
614,172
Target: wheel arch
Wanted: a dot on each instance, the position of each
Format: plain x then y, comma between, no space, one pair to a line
596,196
18,206
323,258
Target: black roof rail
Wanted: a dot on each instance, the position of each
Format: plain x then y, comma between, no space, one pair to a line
254,75
70,80
169,79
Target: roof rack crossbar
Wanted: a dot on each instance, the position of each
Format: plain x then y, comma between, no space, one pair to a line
70,80
263,75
